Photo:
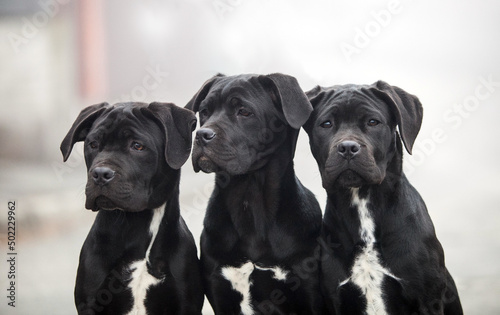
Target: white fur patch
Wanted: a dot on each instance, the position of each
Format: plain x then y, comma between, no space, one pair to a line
279,274
367,273
240,281
141,279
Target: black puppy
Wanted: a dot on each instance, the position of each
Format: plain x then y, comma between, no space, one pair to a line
259,243
139,257
387,259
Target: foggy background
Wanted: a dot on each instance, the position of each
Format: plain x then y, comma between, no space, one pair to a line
58,56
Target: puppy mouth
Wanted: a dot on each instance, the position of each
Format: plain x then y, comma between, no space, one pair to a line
104,203
347,174
350,179
204,164
210,160
107,197
231,158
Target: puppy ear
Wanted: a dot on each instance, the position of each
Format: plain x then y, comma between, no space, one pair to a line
177,124
315,95
286,91
407,109
81,127
194,103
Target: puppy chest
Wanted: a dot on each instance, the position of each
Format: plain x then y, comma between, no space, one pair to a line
368,275
367,271
251,280
146,274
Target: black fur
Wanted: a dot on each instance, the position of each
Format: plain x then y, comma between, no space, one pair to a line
354,139
133,153
259,211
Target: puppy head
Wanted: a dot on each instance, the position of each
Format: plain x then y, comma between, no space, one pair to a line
131,151
352,131
244,119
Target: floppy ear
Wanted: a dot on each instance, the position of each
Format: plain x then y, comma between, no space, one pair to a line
315,95
194,103
177,124
81,127
286,91
406,107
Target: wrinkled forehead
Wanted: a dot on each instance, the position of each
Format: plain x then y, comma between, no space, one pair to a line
355,100
245,86
123,120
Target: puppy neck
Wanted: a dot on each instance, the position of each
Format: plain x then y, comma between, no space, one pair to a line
115,226
252,200
167,193
385,194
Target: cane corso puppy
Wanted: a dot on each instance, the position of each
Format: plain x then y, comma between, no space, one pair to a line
386,258
259,249
139,257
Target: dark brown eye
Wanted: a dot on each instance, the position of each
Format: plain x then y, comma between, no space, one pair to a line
94,145
326,124
137,146
373,122
244,112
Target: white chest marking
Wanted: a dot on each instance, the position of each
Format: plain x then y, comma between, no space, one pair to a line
278,273
239,277
240,281
141,279
367,272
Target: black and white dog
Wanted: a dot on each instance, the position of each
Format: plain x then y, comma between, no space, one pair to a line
259,247
387,259
139,257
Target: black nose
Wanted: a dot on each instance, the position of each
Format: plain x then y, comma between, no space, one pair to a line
348,149
102,175
204,135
